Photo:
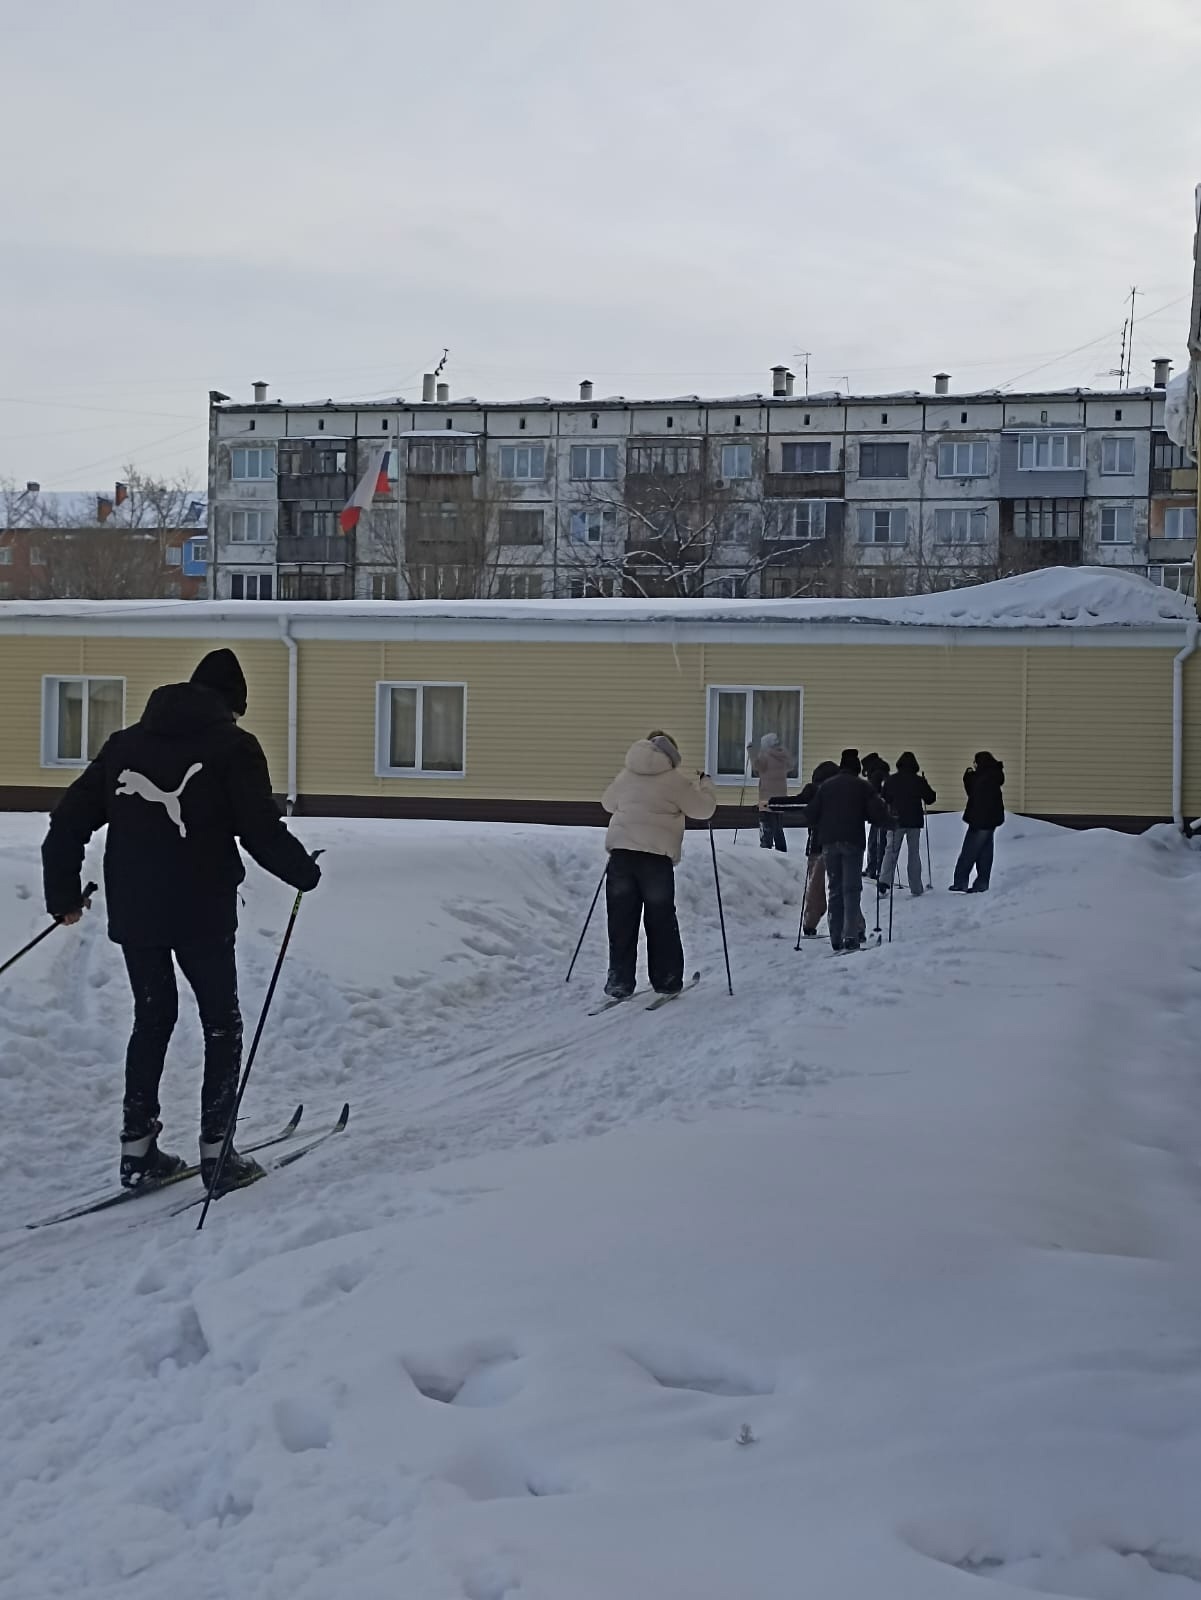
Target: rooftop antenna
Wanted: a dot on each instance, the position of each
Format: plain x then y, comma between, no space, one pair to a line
803,355
1128,343
841,378
442,363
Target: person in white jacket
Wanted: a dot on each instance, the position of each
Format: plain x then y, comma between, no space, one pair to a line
648,802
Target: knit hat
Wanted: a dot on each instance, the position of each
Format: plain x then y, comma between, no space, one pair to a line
666,745
221,671
769,741
848,761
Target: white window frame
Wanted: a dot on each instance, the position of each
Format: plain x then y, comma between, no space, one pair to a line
535,463
197,549
607,516
36,558
174,555
784,527
738,453
873,511
518,578
1158,571
383,729
1028,452
608,456
976,518
242,519
1114,538
1181,514
50,685
806,444
264,453
715,690
258,574
952,452
6,555
1117,440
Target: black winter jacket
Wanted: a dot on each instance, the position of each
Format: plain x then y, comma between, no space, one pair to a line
841,808
177,790
985,804
906,793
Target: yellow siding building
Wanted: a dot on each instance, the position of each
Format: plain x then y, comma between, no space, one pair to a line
523,710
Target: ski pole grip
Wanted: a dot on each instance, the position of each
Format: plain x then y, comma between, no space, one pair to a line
89,891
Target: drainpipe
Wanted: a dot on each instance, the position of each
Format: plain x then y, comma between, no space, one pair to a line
285,633
1192,632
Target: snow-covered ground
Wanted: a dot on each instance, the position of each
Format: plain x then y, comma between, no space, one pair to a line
920,1226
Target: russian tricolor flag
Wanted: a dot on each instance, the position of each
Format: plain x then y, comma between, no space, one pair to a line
374,481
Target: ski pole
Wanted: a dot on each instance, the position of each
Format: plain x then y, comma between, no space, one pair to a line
893,894
227,1142
587,920
746,772
721,916
46,932
926,831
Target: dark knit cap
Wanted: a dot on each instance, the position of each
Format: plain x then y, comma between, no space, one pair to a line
848,761
222,672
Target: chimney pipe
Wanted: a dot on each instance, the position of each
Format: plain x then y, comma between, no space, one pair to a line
260,392
443,393
789,381
1163,371
586,389
427,389
779,381
942,383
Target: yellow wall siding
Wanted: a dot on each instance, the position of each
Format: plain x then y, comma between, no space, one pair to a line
1192,737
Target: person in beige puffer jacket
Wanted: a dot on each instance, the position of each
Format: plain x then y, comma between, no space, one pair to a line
648,801
771,765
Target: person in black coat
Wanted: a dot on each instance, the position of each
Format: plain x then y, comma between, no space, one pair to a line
875,770
840,811
178,790
813,905
984,813
907,794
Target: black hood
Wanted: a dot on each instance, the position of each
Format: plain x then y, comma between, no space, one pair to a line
179,709
824,770
907,761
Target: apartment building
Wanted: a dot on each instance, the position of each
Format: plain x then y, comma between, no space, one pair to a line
761,495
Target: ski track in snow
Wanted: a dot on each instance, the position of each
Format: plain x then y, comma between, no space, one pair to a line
920,1225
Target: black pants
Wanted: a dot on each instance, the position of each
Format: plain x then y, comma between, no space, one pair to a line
771,831
977,852
642,888
212,973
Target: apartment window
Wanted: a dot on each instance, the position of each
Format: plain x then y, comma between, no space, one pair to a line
318,524
1117,524
730,588
196,552
173,555
1117,457
520,526
883,460
798,520
1048,452
250,585
737,524
1180,522
78,715
666,460
961,525
6,555
519,585
247,527
254,463
735,460
523,461
36,558
593,461
1176,575
1046,519
383,586
590,527
741,716
592,587
441,456
420,730
882,525
1166,456
807,457
963,458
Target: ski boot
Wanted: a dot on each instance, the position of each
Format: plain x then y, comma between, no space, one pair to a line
238,1171
142,1162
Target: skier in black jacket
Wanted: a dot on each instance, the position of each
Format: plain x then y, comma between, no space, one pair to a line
875,770
840,810
984,813
906,794
177,790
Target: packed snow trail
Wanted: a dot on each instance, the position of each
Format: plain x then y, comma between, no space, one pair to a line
924,1224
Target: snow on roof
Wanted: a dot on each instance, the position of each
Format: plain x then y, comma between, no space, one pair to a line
1056,597
78,508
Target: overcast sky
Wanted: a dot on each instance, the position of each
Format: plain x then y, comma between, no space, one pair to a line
666,196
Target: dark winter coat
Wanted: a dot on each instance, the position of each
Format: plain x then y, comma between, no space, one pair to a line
983,784
843,806
824,770
177,790
906,792
875,770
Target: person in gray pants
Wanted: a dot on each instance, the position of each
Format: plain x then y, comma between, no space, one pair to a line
906,794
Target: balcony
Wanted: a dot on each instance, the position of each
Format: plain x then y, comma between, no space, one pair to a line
1027,555
315,552
1170,549
334,486
805,485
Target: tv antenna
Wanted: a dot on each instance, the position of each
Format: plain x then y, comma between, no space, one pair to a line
803,355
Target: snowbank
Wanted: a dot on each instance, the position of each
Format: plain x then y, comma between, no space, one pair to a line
916,1227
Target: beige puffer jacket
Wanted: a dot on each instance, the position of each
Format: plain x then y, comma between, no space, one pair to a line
648,801
771,767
